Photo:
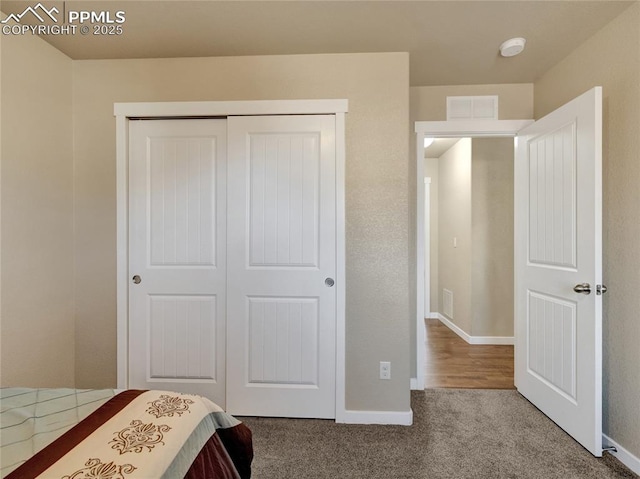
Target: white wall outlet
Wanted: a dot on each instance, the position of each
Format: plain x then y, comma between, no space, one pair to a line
385,370
455,242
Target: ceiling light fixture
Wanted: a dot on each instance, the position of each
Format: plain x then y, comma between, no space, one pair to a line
512,47
428,142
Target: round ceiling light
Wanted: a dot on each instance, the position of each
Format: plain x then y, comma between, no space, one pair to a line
512,47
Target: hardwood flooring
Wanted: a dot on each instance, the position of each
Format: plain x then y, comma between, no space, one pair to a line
453,363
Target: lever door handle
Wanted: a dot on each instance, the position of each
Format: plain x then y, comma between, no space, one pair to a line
583,288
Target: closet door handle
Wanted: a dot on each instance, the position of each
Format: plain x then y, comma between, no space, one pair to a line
329,282
136,279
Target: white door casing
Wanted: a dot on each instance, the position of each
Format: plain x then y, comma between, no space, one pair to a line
281,325
558,228
177,246
441,129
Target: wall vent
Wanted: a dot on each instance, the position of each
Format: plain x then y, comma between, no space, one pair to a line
472,107
447,303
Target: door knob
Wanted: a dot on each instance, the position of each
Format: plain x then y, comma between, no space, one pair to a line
584,288
136,279
329,282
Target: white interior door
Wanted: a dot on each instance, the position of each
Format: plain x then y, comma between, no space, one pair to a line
177,255
558,230
281,264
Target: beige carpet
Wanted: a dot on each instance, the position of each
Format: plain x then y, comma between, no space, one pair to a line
456,434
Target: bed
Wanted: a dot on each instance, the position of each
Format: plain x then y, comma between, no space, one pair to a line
107,434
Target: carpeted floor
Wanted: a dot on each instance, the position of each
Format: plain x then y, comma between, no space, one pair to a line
456,434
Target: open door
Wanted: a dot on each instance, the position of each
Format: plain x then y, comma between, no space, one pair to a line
558,228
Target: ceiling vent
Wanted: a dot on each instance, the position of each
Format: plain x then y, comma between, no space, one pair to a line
472,107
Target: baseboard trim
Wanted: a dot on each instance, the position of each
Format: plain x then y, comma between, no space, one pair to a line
417,385
497,340
622,455
433,315
398,418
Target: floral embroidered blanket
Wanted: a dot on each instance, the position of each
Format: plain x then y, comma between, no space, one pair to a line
142,434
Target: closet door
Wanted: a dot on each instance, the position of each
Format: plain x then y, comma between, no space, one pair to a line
177,256
281,322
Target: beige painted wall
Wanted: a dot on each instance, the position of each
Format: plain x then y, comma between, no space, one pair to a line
492,237
611,58
454,221
474,185
429,103
37,215
431,171
377,87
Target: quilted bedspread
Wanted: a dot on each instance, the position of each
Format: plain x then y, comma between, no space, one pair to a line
133,434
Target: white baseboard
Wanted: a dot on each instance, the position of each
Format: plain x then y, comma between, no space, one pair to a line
417,385
399,418
624,456
432,316
509,340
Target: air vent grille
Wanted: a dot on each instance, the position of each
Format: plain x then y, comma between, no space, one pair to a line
472,107
447,302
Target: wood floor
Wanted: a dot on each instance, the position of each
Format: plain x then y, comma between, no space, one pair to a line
453,363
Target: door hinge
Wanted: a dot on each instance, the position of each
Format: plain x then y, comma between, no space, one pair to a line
600,289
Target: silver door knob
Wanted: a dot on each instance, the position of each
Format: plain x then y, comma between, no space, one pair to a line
329,282
136,279
584,288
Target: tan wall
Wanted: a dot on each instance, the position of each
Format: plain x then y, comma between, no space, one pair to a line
376,86
431,171
492,236
473,185
429,103
37,215
454,220
611,58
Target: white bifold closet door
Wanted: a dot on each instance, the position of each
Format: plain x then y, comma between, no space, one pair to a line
235,253
281,321
177,256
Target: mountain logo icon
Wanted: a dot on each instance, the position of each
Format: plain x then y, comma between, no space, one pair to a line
39,11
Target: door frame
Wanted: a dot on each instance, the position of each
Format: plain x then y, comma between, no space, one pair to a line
126,111
442,129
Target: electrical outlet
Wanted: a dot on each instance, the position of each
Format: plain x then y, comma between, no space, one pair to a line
385,370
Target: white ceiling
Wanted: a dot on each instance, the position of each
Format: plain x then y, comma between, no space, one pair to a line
450,42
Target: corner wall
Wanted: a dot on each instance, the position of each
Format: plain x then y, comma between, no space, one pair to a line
37,215
492,237
377,238
454,231
611,58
